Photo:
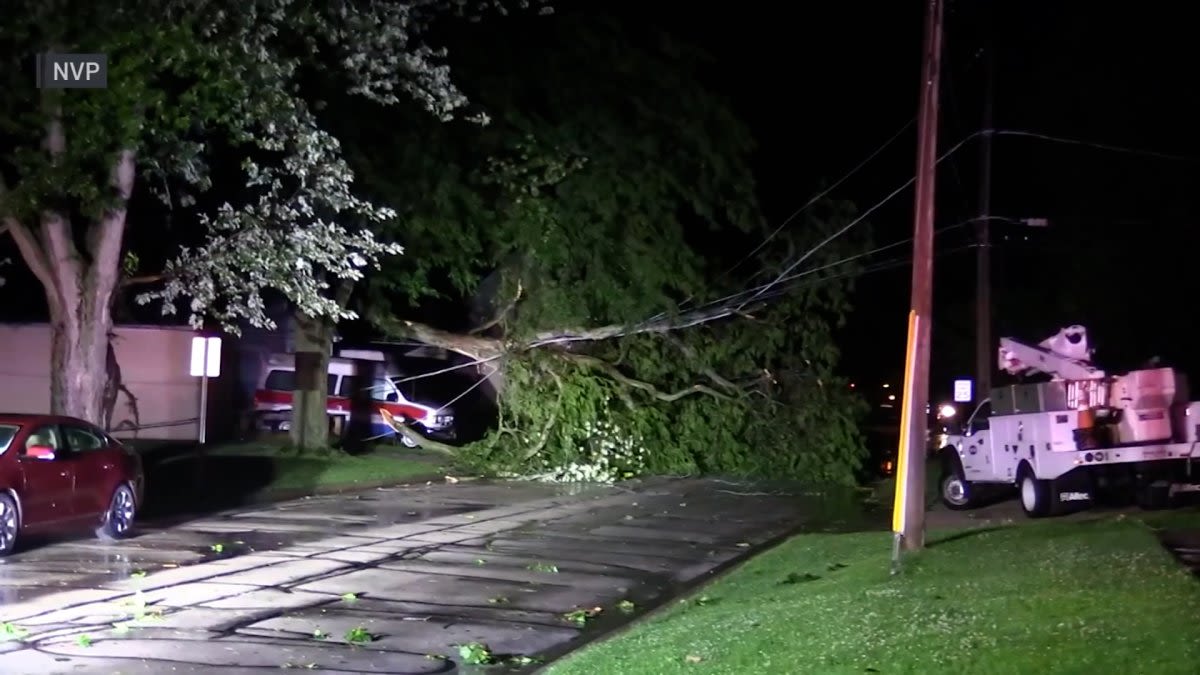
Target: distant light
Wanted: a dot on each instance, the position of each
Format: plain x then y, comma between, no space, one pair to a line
851,385
946,411
886,386
891,397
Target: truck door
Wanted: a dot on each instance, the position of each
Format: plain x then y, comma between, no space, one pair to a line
976,454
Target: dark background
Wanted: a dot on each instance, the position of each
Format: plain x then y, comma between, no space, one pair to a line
825,84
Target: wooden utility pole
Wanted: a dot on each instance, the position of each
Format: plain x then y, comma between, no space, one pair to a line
908,519
985,350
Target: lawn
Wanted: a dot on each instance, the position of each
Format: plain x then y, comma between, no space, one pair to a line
1098,596
236,470
293,471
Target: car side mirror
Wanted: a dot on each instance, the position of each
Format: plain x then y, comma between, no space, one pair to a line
43,452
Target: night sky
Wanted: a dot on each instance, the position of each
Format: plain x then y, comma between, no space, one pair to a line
823,85
827,84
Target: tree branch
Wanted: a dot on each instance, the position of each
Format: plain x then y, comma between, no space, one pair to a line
142,280
61,255
659,325
504,311
608,369
551,421
106,237
402,429
468,345
63,259
704,370
35,259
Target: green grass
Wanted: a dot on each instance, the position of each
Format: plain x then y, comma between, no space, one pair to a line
884,491
298,471
288,470
1098,596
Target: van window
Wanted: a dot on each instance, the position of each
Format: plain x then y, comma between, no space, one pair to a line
382,390
280,380
343,386
285,380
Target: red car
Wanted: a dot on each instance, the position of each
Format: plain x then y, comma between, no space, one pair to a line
61,473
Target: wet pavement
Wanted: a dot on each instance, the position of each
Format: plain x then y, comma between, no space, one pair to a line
392,582
44,566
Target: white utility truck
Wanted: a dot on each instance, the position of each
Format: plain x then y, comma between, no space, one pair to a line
1084,433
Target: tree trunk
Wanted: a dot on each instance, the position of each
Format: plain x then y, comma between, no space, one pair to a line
310,421
79,285
79,361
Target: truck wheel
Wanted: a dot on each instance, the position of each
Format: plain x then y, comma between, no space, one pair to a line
1154,496
1036,495
957,492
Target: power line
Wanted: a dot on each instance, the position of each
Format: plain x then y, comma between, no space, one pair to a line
971,62
1092,144
1002,132
859,219
898,261
821,195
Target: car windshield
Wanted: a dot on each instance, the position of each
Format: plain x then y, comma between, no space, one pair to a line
7,433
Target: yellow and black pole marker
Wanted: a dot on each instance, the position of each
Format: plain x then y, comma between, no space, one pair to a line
904,456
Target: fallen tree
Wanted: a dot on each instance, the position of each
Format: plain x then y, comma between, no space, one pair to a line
590,227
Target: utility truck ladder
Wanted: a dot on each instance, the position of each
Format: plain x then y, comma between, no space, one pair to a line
1065,356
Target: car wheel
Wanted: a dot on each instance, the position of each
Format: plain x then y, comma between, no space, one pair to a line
10,524
118,520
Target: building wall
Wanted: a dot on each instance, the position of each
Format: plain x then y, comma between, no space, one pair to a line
154,369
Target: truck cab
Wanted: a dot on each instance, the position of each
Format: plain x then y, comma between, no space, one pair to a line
972,450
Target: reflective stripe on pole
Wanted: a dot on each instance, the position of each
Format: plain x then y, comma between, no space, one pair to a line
900,507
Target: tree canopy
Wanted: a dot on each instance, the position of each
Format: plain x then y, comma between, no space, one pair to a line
190,83
593,218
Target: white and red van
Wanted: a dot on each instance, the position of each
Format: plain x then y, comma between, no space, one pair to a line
385,390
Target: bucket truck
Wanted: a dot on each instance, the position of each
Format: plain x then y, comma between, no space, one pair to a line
1061,443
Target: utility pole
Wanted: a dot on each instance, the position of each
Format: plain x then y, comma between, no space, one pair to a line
908,516
985,351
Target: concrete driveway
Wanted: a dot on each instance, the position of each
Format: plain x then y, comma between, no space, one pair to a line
391,581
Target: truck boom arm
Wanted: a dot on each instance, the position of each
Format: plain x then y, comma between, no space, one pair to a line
1063,356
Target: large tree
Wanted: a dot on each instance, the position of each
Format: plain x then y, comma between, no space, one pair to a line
189,82
592,221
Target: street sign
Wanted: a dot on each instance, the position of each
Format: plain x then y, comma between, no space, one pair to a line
206,357
205,363
962,391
